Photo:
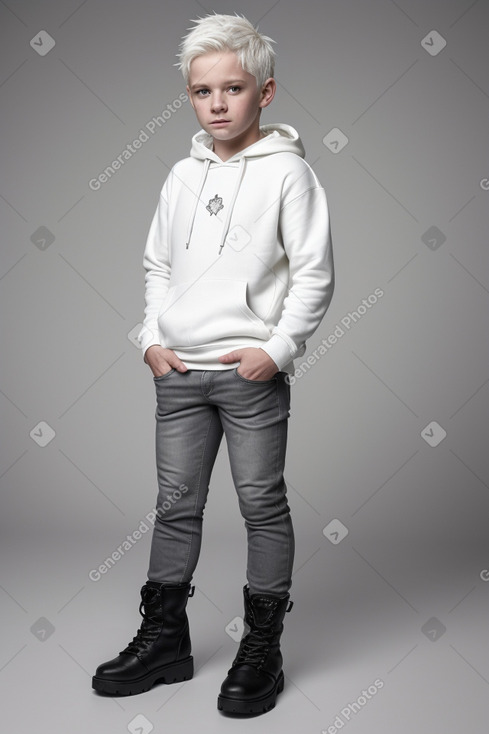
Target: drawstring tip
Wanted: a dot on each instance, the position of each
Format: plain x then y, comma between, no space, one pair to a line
186,246
220,249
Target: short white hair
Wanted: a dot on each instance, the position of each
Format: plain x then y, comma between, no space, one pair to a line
229,32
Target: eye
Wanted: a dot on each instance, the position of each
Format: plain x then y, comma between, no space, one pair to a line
201,92
235,88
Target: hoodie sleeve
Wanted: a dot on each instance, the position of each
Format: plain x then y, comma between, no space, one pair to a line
306,235
157,265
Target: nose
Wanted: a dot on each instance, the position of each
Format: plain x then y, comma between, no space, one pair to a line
217,102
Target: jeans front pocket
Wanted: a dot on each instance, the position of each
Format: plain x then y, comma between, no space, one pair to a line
255,382
163,377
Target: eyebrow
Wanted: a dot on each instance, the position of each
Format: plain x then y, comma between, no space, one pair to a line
200,85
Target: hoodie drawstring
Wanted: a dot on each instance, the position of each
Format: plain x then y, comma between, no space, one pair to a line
241,172
197,199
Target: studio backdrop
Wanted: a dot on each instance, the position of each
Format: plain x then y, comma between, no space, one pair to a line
387,464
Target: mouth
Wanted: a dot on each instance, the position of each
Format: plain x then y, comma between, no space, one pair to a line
220,122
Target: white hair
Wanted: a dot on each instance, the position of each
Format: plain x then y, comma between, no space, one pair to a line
229,32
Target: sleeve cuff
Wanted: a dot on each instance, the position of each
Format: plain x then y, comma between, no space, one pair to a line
279,350
147,338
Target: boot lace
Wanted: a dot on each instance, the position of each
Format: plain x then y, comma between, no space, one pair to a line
254,647
149,629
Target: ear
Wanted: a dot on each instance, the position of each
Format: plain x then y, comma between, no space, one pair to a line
190,96
267,92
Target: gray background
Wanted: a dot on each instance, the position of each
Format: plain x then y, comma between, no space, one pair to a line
417,546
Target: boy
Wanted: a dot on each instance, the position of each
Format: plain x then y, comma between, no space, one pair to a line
239,273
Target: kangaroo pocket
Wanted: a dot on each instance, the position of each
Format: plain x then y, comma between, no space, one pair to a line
203,312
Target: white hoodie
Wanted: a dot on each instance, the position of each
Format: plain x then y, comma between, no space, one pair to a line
238,253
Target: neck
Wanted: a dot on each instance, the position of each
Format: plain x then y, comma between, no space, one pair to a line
227,148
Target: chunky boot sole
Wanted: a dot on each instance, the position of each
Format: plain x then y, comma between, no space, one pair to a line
254,705
170,673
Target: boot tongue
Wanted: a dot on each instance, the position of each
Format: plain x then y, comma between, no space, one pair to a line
151,598
152,585
263,609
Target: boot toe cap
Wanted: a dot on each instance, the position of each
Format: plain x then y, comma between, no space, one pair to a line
120,668
246,682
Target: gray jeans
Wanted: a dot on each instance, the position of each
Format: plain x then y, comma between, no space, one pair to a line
194,409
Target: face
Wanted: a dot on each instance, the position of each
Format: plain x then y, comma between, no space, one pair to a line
226,98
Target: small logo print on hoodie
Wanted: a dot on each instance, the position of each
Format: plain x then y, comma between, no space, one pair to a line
215,205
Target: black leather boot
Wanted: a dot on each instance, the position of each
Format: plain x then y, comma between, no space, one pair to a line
160,651
256,676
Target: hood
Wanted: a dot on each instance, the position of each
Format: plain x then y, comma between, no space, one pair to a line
277,138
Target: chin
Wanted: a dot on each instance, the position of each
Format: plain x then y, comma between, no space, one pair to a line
221,134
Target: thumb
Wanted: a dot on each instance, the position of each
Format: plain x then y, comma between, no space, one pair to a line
231,356
176,363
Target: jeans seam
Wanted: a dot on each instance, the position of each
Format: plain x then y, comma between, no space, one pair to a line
197,496
277,449
288,532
